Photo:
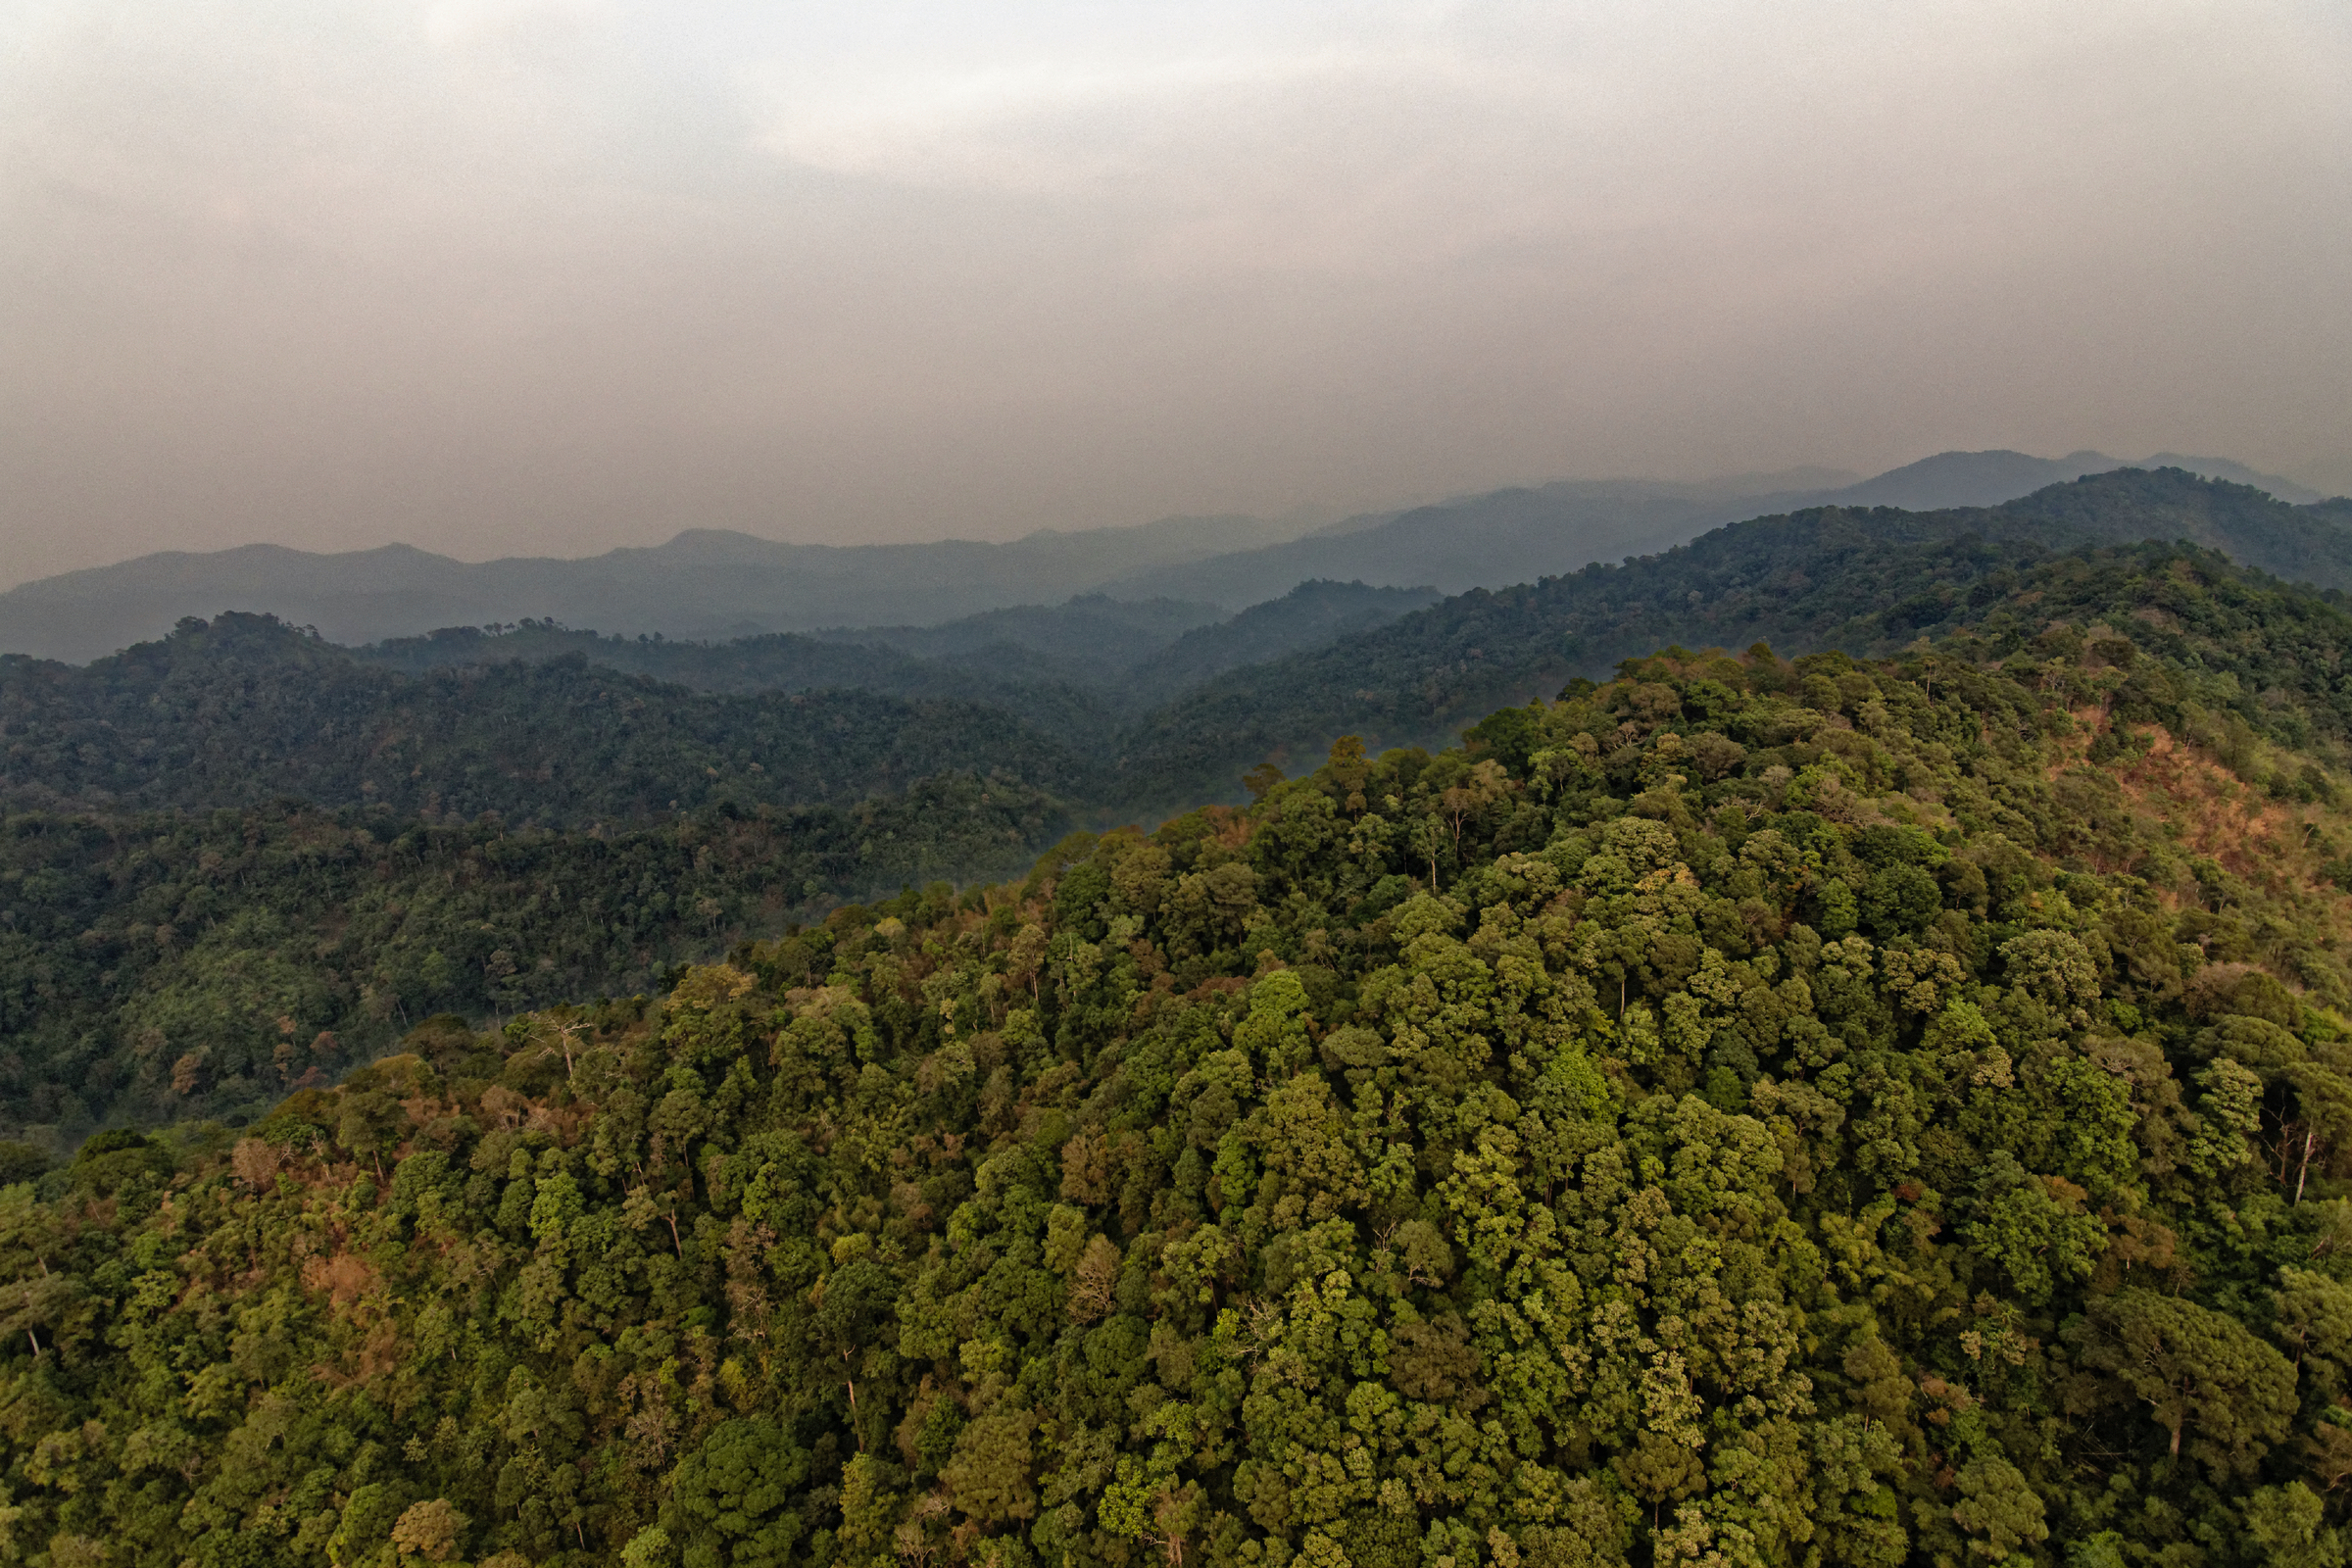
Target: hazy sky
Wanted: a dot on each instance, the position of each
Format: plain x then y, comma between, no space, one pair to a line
498,276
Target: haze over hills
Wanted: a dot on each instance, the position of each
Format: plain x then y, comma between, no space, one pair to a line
1518,535
702,583
1819,576
1069,668
763,971
713,584
1989,479
1126,706
540,723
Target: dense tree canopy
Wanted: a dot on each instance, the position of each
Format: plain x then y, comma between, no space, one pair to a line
1747,1113
164,966
1046,693
242,710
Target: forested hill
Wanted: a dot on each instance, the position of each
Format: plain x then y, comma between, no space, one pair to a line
240,858
164,967
1073,669
158,963
1309,615
2309,543
243,710
1861,581
1748,1114
1039,691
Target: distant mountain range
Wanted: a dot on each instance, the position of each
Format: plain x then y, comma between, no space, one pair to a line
1072,671
243,824
1850,577
705,583
1116,704
711,584
1511,536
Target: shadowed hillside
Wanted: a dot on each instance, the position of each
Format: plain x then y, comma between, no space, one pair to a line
244,711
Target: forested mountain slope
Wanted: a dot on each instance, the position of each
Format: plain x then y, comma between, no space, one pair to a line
1309,615
244,711
1748,1114
1073,669
2310,543
1522,534
1823,579
1098,635
1041,691
152,965
165,966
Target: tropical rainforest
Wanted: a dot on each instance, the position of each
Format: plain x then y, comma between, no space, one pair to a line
1891,1104
242,855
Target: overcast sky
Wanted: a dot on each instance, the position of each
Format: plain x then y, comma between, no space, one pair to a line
546,277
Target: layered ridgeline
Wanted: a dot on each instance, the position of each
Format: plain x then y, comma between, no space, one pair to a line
243,858
714,584
543,724
1861,580
159,965
244,711
240,858
1074,670
1749,1113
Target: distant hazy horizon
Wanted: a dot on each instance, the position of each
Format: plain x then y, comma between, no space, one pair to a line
1298,520
545,277
1799,483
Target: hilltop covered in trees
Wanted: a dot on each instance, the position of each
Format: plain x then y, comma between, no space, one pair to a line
242,856
243,710
1747,1113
